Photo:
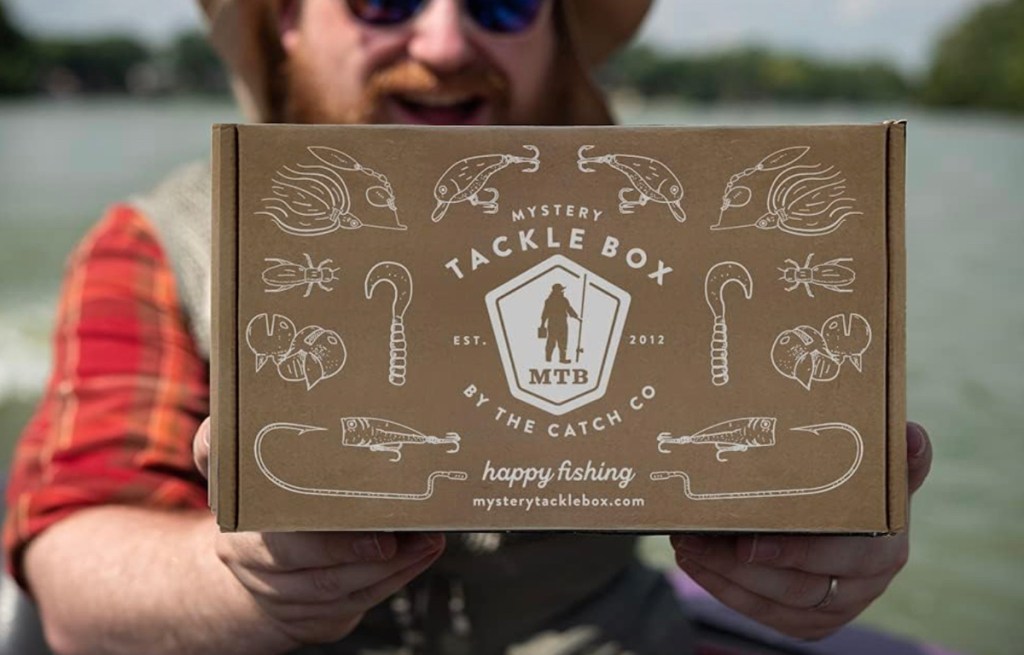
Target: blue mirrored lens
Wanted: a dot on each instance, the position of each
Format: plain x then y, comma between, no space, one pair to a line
384,12
505,16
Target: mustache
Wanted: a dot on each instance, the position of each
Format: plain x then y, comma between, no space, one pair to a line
412,77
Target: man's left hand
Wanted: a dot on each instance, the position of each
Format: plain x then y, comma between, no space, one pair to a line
786,582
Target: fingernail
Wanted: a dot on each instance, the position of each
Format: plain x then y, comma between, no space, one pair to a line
206,432
691,544
368,548
764,549
916,442
424,541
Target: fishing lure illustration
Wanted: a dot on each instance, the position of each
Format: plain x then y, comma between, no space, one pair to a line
311,200
399,279
831,275
803,200
467,178
808,355
309,355
738,435
382,435
649,181
740,438
719,276
285,275
399,437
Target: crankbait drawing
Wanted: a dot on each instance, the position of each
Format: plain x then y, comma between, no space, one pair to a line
309,355
737,435
400,436
803,200
717,279
808,355
399,279
311,200
649,179
467,178
285,275
831,275
750,433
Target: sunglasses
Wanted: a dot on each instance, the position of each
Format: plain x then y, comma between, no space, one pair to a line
496,16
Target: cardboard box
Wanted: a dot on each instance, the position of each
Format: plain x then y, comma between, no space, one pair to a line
614,329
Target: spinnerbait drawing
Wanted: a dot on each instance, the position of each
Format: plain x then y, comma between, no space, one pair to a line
808,355
803,200
467,178
718,277
297,429
737,435
818,429
831,275
399,279
309,355
311,200
284,275
649,179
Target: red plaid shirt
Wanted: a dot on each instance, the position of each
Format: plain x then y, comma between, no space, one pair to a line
127,392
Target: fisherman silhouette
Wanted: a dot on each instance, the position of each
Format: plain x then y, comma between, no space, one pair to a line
554,323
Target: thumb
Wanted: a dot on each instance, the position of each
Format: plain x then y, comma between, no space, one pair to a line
201,448
919,455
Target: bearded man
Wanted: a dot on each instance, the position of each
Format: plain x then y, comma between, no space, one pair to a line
108,527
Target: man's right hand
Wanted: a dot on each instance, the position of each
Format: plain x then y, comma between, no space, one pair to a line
316,586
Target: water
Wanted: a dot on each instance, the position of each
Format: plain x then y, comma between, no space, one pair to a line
61,164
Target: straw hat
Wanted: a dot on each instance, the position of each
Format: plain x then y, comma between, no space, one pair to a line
597,28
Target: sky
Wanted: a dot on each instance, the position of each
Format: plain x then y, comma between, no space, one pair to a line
900,30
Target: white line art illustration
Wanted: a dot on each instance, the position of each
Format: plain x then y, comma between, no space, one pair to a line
467,178
399,279
383,435
718,277
831,275
309,355
299,430
310,200
649,179
808,355
818,429
737,435
805,200
284,275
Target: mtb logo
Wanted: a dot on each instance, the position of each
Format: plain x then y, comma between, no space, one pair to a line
558,327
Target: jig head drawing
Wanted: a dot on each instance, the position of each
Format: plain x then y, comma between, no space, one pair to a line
649,179
465,180
737,435
399,279
382,435
818,430
808,355
309,355
718,277
831,275
285,275
299,429
314,200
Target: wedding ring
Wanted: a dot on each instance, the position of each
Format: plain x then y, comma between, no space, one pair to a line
833,589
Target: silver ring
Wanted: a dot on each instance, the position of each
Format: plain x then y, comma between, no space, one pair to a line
833,589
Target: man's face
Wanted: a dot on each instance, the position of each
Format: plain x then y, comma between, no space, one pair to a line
437,68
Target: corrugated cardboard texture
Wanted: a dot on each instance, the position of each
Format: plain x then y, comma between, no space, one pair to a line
549,329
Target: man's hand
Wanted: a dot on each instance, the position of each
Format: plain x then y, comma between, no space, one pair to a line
779,581
316,586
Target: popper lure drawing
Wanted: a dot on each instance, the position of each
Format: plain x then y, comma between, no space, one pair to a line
831,275
467,178
818,429
311,200
399,279
738,435
720,276
382,435
804,200
808,355
309,355
649,181
284,275
297,429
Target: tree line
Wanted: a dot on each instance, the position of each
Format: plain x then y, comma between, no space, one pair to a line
978,62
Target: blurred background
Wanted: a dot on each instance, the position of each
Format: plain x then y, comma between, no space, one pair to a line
100,99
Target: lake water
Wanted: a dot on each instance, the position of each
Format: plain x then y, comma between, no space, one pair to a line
62,163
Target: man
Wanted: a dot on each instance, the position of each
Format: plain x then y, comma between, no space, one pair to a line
554,323
107,525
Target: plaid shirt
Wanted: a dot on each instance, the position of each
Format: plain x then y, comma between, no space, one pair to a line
127,392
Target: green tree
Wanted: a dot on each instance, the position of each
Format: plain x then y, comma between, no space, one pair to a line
980,61
100,64
18,68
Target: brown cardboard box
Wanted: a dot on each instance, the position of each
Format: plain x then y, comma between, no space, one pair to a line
608,329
